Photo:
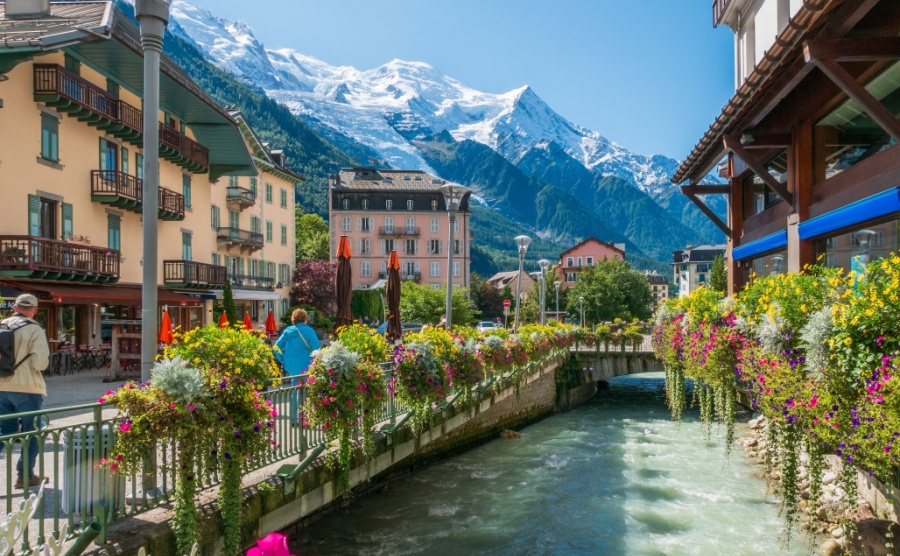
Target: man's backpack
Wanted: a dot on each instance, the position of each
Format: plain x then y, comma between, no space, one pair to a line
8,363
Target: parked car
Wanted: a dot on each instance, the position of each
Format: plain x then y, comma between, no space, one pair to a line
487,326
405,326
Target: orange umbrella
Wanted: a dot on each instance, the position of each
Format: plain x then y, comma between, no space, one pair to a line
271,327
248,324
394,327
223,320
165,329
343,287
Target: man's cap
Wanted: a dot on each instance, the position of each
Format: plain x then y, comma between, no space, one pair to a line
26,300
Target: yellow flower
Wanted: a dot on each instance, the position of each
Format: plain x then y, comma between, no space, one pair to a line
848,341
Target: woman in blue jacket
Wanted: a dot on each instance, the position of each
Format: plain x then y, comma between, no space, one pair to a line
295,347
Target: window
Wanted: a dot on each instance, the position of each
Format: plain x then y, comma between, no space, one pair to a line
409,204
42,215
435,226
861,246
579,261
456,226
124,160
365,204
109,156
410,246
435,269
232,181
590,261
410,224
701,278
365,224
234,219
186,189
389,205
216,259
255,224
434,204
364,246
283,234
139,166
114,231
388,224
411,269
283,198
253,186
186,246
345,203
365,269
269,193
434,247
49,138
388,245
214,216
570,276
456,247
456,269
72,64
269,227
346,224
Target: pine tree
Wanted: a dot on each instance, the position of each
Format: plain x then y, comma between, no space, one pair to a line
228,302
718,279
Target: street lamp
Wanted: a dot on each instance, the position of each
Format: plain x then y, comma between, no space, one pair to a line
581,307
153,16
522,241
557,283
543,263
453,194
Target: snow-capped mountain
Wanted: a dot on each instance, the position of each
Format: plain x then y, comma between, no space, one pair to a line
388,107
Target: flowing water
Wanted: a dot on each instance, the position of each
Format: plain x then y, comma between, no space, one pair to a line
613,476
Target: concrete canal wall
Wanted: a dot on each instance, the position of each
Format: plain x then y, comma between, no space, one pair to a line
276,503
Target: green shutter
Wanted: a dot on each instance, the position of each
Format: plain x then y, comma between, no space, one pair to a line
66,221
104,159
241,266
186,189
49,138
139,163
34,215
72,64
124,160
114,237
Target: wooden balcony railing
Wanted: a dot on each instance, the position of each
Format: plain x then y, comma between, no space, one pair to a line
240,196
68,92
399,231
112,187
191,274
49,259
250,282
718,7
243,238
417,276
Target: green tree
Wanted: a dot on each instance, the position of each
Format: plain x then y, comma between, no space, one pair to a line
228,303
487,299
611,290
422,303
718,279
312,237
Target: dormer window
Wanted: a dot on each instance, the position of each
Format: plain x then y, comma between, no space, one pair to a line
345,203
365,204
434,204
409,204
389,205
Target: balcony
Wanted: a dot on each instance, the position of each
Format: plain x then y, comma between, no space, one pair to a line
118,189
242,238
240,197
249,282
49,259
719,7
415,276
68,92
193,275
391,231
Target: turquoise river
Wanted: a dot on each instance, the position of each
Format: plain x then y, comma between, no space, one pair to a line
613,476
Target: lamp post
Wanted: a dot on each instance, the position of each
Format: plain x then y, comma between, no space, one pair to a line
581,308
543,263
453,194
522,241
557,284
153,16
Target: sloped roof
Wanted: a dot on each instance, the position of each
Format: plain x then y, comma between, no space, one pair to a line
68,23
611,245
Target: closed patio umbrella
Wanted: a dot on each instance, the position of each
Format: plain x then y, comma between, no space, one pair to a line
165,330
248,324
343,287
223,320
394,328
271,327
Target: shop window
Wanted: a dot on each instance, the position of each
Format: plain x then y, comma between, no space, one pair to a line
861,246
774,263
847,136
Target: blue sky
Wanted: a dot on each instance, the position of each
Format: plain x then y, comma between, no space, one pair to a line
651,75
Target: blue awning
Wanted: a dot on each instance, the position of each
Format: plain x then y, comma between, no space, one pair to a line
864,210
762,245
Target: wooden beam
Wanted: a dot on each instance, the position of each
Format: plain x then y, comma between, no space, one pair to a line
847,16
689,191
711,190
852,50
843,79
733,144
769,141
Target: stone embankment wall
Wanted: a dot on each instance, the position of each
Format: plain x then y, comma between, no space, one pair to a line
276,504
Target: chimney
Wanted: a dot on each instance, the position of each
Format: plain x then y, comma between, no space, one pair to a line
27,9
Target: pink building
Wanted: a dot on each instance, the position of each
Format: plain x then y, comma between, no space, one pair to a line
403,210
586,254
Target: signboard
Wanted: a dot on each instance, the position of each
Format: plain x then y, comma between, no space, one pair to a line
506,303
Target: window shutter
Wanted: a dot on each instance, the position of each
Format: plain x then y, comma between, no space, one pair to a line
34,215
104,160
124,160
241,265
66,221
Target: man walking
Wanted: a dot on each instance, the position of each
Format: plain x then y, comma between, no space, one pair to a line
25,389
